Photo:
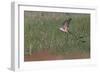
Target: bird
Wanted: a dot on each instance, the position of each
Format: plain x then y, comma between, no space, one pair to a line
65,25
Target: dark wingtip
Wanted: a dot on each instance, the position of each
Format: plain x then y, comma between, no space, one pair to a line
69,19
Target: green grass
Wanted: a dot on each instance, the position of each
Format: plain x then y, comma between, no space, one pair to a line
41,32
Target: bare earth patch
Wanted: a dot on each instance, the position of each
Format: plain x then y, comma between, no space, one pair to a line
40,56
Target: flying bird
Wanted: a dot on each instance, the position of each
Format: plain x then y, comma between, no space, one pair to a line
65,25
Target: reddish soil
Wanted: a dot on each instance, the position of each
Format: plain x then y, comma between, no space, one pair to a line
39,56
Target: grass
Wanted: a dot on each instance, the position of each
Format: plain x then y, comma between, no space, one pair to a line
41,32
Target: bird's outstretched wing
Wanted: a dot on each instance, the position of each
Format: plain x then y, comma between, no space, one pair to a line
62,29
65,26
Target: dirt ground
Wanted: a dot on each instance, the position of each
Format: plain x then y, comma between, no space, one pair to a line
40,56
